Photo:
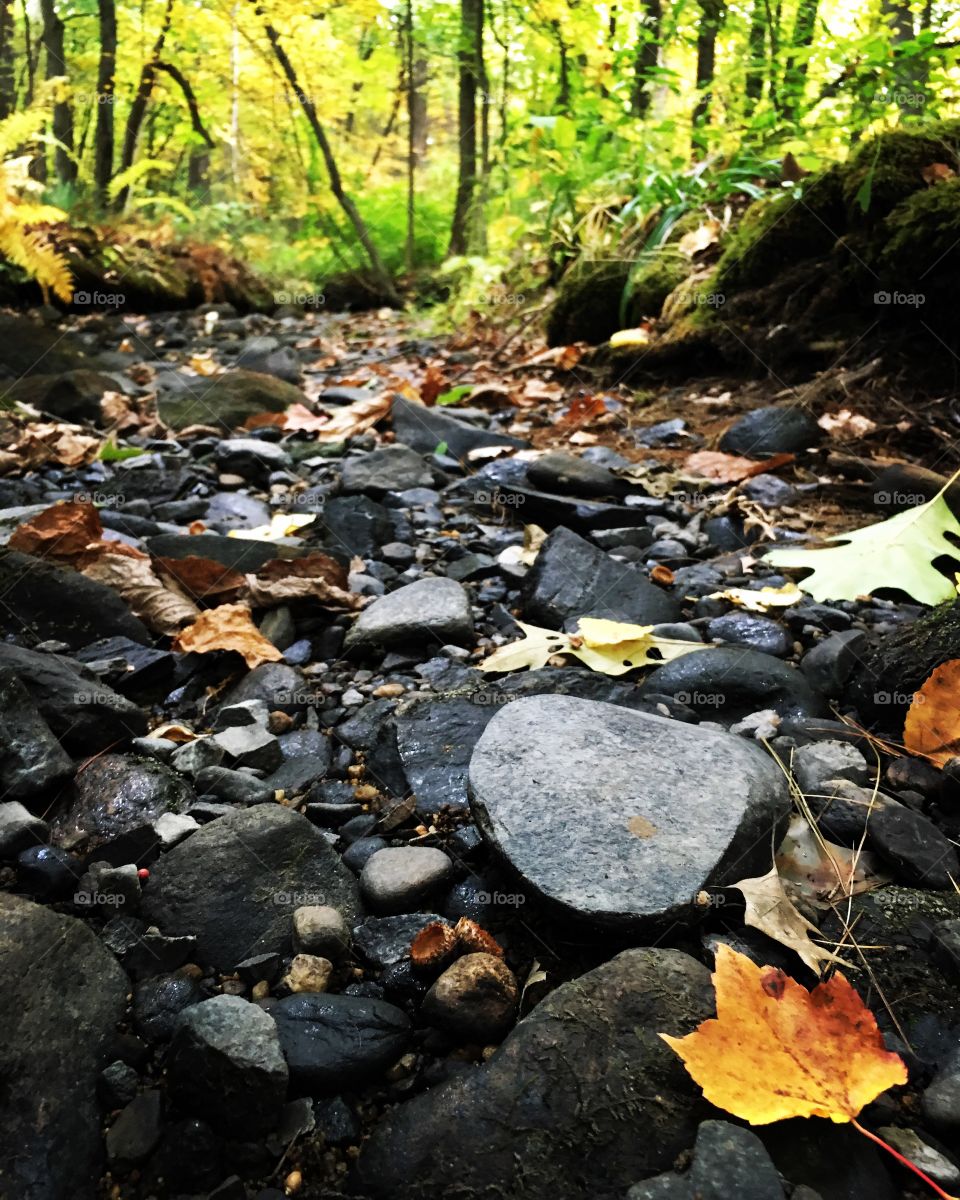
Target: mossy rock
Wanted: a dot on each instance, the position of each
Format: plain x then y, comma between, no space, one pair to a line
227,400
921,250
893,162
654,278
774,234
587,307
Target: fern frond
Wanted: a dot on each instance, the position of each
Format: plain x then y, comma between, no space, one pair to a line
28,249
134,174
19,128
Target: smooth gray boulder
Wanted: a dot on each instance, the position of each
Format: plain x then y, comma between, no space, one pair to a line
582,1099
63,993
431,612
620,817
235,884
389,469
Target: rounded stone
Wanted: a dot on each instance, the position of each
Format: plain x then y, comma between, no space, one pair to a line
399,879
474,999
320,929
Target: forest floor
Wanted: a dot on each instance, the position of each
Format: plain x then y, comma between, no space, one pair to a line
338,907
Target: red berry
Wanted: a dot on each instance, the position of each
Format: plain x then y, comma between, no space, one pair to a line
143,873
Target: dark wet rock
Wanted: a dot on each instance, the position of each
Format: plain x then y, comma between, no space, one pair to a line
158,1002
662,809
20,830
267,861
844,810
117,1084
53,965
355,525
941,1099
551,510
401,878
277,684
225,1064
30,347
46,872
234,510
571,578
115,794
756,633
389,469
559,1095
424,429
335,1043
830,662
268,356
253,458
772,430
730,683
83,713
429,609
236,786
359,852
820,761
296,775
945,947
728,1162
238,554
226,400
143,673
68,395
832,1159
135,1134
383,941
53,602
250,746
570,474
919,853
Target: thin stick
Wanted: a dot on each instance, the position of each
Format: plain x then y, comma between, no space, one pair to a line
905,1162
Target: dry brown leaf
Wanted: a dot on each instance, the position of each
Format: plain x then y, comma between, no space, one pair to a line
730,468
700,239
818,871
229,627
200,578
846,425
160,609
771,910
433,383
313,577
937,172
63,532
932,725
582,410
47,442
355,418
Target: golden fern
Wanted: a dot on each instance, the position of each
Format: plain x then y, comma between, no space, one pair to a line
22,240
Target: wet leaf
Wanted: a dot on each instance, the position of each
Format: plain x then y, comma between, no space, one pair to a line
62,532
200,578
760,600
133,579
229,627
313,577
775,1050
771,910
730,468
932,725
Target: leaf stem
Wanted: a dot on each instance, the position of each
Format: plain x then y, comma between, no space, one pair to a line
905,1162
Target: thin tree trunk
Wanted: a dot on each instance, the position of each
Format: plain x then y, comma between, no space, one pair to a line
712,14
138,109
795,76
411,90
757,62
350,210
471,34
32,55
63,163
647,56
106,87
234,98
8,88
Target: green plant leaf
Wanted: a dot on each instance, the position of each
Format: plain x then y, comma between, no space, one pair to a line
455,395
111,452
897,553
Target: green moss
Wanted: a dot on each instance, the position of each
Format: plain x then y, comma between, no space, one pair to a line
774,234
587,307
884,171
920,249
653,279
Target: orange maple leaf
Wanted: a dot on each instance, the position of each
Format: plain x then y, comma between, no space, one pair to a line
775,1050
932,725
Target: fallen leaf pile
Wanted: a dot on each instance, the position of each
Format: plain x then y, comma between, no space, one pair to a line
168,594
36,443
775,1050
611,647
897,553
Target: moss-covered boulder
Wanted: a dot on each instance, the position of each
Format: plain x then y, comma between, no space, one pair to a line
883,171
227,400
595,299
920,253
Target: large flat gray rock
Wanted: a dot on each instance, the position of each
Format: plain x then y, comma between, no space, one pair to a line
582,1099
621,817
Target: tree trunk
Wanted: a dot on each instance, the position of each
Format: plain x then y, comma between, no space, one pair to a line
468,54
138,109
712,14
411,91
382,276
795,76
106,85
64,165
647,56
8,88
757,62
